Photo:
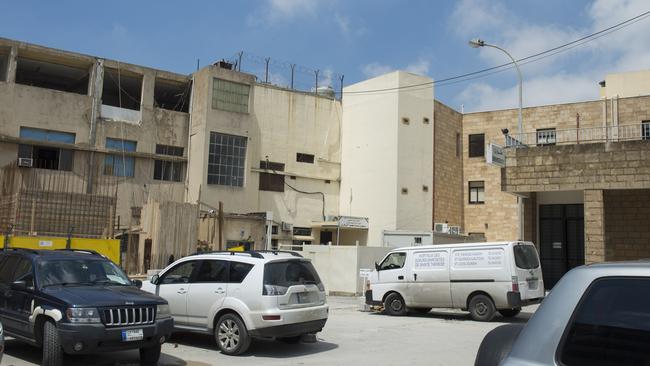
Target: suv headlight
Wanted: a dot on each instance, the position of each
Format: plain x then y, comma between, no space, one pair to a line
163,311
83,315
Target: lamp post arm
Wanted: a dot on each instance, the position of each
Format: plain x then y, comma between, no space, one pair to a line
521,82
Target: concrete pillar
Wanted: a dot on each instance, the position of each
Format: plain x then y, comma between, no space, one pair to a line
12,65
148,82
594,226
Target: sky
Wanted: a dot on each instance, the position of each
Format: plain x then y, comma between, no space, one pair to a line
358,39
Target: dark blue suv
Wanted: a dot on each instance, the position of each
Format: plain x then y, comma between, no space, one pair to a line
71,301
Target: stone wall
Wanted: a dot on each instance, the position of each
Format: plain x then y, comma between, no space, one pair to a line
448,166
627,233
594,226
614,165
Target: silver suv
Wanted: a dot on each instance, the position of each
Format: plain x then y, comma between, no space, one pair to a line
597,315
242,295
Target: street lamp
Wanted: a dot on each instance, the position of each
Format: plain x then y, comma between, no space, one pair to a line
476,43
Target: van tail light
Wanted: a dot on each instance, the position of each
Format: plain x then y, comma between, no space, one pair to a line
515,284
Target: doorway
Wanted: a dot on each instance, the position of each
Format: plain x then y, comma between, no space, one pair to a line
561,240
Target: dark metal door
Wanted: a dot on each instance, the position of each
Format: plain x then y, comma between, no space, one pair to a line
561,237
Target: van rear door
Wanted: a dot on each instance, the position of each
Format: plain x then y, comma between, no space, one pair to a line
528,271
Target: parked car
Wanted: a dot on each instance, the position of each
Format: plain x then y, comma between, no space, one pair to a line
480,277
78,302
237,296
595,315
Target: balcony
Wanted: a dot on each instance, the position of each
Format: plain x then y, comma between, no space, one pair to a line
576,136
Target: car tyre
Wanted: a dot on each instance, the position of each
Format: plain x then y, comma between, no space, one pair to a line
149,356
394,305
52,350
231,335
509,313
482,308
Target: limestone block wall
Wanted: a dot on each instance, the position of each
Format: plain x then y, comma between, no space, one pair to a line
627,233
594,226
448,165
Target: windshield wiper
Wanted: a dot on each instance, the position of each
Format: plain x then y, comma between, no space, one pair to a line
65,284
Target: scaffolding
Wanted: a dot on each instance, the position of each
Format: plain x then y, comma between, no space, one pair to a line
56,203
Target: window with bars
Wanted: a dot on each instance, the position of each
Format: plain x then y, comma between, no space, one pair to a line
305,158
645,130
226,159
301,231
476,145
168,170
269,181
119,165
476,192
230,96
545,136
47,157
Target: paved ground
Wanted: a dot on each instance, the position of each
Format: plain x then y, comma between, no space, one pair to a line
350,337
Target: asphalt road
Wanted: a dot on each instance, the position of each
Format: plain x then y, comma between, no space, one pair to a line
351,337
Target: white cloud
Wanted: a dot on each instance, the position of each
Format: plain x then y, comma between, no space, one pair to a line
420,67
292,8
557,79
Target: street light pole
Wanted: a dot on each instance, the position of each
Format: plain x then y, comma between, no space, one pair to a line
476,43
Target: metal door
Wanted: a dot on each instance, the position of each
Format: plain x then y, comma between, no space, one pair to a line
561,239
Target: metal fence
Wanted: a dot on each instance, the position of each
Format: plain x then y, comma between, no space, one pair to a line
289,75
630,132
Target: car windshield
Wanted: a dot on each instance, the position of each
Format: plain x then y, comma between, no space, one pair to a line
79,272
290,273
526,257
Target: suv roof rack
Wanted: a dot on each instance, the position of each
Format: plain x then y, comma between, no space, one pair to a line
33,251
252,253
80,251
295,254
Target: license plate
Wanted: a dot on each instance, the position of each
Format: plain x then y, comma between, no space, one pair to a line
132,335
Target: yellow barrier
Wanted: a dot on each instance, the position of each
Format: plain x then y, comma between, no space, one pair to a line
108,247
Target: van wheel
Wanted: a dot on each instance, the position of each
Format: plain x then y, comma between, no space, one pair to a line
482,308
509,313
231,335
52,351
394,305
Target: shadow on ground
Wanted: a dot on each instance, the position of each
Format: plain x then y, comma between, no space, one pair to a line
259,347
31,354
522,317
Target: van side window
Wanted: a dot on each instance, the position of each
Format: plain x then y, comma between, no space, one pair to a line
611,325
393,261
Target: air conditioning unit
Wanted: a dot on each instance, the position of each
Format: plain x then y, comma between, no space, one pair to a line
441,227
25,162
287,226
454,230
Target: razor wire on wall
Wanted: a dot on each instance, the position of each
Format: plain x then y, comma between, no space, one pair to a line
289,75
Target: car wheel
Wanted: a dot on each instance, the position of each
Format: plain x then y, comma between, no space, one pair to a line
394,305
52,351
481,308
509,313
150,355
231,335
420,310
290,340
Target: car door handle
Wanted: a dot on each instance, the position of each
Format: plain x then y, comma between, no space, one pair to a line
219,291
415,276
400,277
181,291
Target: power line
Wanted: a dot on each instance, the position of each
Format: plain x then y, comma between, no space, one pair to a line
532,58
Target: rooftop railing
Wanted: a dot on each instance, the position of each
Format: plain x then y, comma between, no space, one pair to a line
546,137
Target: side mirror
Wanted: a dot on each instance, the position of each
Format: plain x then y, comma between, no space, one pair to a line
137,283
19,285
376,266
154,280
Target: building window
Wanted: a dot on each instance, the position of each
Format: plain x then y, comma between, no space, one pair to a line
425,188
476,192
305,158
476,145
405,190
645,130
418,240
274,229
270,181
406,120
168,170
226,159
425,120
49,75
458,147
230,96
122,89
545,136
119,165
45,157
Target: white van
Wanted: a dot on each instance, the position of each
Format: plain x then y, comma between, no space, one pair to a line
480,277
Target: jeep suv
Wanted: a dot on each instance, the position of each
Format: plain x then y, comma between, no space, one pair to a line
237,296
78,302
